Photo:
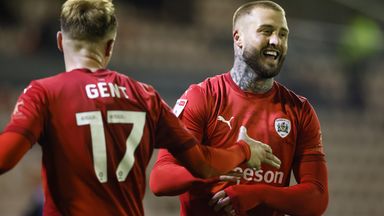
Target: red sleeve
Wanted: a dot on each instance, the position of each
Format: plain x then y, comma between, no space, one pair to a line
309,144
12,148
169,178
205,161
195,111
29,113
308,197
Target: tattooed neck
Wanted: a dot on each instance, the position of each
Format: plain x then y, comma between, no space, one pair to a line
248,81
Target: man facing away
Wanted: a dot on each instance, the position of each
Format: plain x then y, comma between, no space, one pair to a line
98,128
247,98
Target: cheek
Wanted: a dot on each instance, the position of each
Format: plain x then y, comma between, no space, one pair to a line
283,47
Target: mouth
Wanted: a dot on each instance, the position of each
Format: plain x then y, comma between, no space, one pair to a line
271,53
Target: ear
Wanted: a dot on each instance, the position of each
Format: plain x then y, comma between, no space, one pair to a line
59,38
109,48
237,39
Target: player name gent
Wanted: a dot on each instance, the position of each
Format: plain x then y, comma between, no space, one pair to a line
104,89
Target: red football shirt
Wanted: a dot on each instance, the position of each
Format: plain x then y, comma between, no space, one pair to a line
97,132
215,109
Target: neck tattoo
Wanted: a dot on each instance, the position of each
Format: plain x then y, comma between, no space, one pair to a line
248,80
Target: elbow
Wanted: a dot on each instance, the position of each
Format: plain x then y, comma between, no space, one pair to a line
322,200
323,204
155,189
160,190
5,168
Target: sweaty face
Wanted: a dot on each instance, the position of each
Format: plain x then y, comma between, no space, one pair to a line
264,33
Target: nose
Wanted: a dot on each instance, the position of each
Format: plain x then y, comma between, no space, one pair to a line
274,39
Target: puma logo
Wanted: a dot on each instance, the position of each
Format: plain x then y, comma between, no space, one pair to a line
228,122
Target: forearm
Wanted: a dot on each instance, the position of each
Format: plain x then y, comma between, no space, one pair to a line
309,197
304,199
168,177
172,179
206,162
12,148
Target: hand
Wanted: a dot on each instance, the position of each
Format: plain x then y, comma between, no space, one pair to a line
260,152
231,177
221,201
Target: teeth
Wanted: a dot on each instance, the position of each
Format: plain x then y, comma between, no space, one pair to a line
273,53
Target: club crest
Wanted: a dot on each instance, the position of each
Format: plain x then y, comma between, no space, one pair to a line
282,127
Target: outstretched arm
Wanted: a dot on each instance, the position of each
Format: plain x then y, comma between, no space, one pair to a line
13,146
169,178
205,162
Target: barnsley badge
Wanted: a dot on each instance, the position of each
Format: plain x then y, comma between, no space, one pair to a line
283,127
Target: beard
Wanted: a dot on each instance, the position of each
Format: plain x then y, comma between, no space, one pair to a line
254,59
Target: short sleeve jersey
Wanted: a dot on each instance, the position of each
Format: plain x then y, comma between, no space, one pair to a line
97,131
215,109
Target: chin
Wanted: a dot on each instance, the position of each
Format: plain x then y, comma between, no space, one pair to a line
268,75
267,72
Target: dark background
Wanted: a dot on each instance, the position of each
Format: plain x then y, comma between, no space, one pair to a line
334,59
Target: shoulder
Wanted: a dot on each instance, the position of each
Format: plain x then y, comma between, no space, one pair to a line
144,89
297,103
208,87
290,96
53,82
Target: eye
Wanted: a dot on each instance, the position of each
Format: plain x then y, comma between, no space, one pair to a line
266,32
283,34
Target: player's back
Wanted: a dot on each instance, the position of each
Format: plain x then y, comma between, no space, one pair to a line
97,139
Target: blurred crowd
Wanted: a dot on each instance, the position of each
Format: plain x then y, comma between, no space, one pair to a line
331,60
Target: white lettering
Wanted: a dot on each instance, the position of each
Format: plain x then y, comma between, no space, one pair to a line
114,90
275,177
124,90
268,177
91,91
279,177
247,174
103,89
238,169
258,176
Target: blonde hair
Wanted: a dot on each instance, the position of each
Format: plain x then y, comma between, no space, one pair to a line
88,19
248,7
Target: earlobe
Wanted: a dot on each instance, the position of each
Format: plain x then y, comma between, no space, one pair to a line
59,37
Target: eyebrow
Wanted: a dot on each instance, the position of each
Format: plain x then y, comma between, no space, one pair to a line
270,26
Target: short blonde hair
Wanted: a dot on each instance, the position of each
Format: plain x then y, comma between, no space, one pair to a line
248,7
88,19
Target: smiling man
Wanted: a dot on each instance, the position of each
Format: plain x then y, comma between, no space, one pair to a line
248,99
97,128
